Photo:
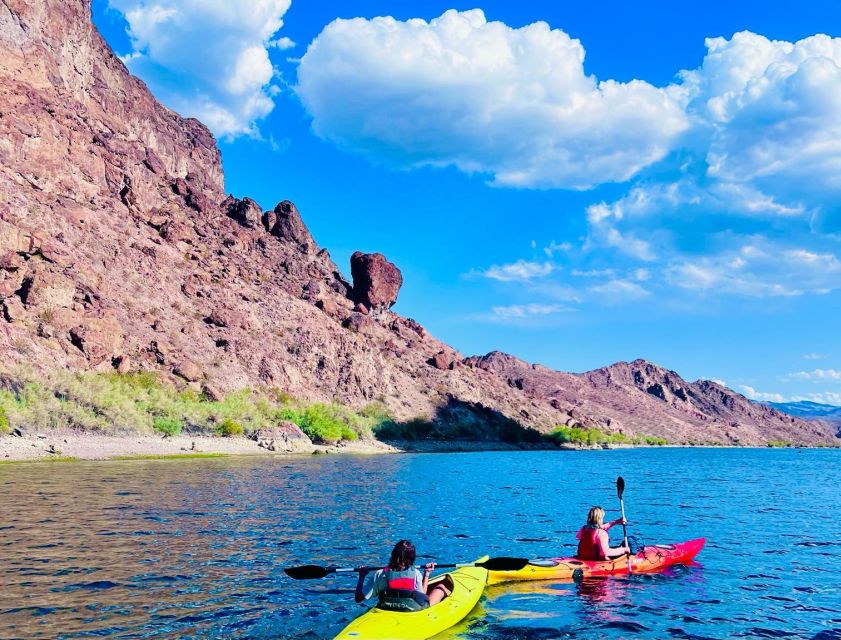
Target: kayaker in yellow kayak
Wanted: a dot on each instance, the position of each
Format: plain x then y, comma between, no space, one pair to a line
400,586
593,539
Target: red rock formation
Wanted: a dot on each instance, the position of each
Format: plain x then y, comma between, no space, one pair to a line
376,281
119,248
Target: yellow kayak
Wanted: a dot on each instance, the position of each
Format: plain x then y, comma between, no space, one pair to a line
467,584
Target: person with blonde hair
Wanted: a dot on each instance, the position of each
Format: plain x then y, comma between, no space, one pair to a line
593,539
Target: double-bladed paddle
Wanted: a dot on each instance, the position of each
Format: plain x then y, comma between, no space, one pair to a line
312,571
620,489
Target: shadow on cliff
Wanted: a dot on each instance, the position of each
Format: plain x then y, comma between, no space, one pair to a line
461,420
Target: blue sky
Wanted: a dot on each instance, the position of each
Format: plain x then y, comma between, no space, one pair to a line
672,197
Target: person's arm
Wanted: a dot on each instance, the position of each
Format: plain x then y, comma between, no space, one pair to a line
363,592
359,596
428,567
615,522
606,549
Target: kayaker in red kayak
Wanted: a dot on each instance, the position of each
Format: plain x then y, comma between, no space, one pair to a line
400,586
593,539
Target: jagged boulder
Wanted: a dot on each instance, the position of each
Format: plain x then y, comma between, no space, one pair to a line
283,437
188,370
359,323
376,281
246,211
47,290
441,360
287,224
99,339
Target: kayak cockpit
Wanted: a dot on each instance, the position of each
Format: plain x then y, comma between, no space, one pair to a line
406,601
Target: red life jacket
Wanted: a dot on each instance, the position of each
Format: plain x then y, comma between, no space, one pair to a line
400,580
400,594
589,547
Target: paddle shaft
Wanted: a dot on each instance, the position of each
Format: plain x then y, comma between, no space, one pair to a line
492,564
620,490
624,529
416,566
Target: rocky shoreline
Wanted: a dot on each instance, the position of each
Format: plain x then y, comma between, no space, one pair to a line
67,447
76,446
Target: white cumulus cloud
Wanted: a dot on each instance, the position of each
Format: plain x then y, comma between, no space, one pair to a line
760,269
818,375
461,91
520,271
520,311
207,58
774,110
761,396
765,142
827,397
614,291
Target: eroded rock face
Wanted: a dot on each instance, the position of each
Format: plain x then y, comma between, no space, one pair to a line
46,289
376,281
289,226
246,211
119,248
100,339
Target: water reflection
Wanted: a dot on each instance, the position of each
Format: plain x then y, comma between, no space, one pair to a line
194,548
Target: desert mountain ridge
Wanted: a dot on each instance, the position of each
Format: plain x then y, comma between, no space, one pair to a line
119,249
808,409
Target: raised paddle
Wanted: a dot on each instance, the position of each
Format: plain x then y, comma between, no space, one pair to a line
312,571
620,489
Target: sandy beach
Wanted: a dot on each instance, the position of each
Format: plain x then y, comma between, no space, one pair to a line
72,445
64,446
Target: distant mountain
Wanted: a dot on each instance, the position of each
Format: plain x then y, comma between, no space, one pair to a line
641,397
806,409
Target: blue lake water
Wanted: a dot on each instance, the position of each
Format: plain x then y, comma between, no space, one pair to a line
194,548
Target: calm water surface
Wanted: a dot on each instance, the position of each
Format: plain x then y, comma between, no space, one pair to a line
194,548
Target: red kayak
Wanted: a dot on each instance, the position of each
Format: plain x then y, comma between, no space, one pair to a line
649,559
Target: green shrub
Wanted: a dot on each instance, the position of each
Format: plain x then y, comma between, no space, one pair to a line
779,444
651,441
168,426
321,422
4,422
229,428
589,436
142,402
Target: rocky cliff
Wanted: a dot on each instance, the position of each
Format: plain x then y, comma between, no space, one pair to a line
120,250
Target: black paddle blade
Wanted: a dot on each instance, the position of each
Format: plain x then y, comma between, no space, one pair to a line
307,572
504,564
620,486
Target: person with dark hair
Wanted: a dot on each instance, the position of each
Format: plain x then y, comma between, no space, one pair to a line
401,586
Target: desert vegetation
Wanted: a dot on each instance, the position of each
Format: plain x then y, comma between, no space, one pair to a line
112,403
121,404
592,437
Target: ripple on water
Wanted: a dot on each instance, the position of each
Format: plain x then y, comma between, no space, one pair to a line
167,549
